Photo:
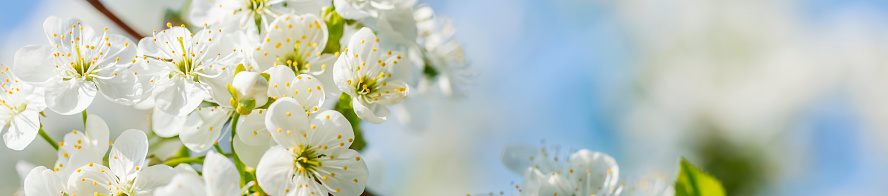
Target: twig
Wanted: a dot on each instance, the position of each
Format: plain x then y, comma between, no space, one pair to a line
101,8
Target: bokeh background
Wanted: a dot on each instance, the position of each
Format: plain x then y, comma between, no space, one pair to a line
773,97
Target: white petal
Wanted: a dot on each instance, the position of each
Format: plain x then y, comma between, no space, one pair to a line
184,185
76,160
128,152
309,187
251,129
220,175
123,88
322,68
203,137
92,179
97,131
251,154
597,170
166,125
206,12
22,168
121,47
518,157
330,129
274,171
152,177
343,73
348,11
70,97
307,90
351,172
392,92
180,97
287,31
42,181
287,122
22,130
278,78
33,63
374,113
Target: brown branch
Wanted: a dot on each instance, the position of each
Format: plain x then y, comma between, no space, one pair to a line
101,8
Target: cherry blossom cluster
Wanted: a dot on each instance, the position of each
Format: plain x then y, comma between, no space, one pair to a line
285,82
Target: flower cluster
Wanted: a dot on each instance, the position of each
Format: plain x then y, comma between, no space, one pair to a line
286,82
583,173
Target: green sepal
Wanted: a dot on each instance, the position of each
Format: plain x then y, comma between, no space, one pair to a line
335,29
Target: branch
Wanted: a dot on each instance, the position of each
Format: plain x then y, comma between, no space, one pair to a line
101,8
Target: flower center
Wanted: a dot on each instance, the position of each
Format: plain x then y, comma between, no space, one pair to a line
366,86
296,62
306,160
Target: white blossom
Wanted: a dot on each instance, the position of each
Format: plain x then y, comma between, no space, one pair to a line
251,15
128,173
313,155
364,72
20,114
77,62
220,178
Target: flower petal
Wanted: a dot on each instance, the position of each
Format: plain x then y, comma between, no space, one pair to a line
251,129
166,125
251,154
350,172
287,122
42,181
22,130
275,171
123,87
92,179
152,177
309,186
184,185
330,131
373,113
278,78
597,170
203,137
180,97
518,157
322,69
97,131
221,176
70,97
33,63
128,153
306,89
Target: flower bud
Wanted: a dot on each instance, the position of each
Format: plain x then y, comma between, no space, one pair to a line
250,86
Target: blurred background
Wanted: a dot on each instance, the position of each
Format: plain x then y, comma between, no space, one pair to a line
773,97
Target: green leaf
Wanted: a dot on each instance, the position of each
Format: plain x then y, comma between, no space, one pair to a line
693,182
335,28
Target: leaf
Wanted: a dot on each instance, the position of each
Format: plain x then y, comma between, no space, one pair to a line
693,182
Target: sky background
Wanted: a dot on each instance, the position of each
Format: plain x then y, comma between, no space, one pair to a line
800,81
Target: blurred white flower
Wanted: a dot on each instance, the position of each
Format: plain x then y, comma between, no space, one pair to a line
220,178
83,147
361,73
360,9
20,116
182,67
251,15
42,181
445,61
127,174
584,173
650,186
78,62
313,156
297,42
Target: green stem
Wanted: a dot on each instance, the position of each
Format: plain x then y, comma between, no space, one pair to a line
186,160
237,162
218,149
48,139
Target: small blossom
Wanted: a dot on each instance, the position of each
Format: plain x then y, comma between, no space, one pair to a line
78,62
313,157
20,114
252,15
364,72
128,173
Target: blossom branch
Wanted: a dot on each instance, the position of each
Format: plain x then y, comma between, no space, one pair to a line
101,8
